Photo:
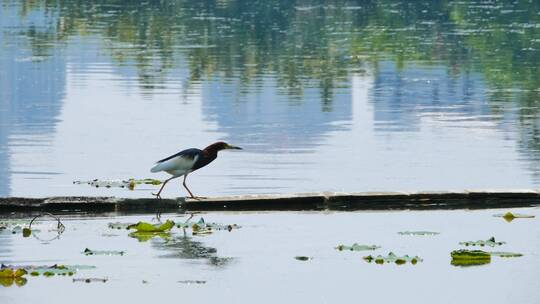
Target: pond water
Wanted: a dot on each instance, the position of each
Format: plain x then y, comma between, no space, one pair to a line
351,96
256,263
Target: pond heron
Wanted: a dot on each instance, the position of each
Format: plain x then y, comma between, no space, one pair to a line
187,161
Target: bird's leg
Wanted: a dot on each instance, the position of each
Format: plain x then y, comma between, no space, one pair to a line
157,195
185,186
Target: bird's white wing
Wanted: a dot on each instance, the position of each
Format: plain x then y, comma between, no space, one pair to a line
178,165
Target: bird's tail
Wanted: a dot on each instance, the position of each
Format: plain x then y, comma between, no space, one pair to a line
156,168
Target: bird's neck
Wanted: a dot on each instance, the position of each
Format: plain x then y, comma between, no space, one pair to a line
211,150
211,153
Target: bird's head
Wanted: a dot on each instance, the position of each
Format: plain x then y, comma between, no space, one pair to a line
220,145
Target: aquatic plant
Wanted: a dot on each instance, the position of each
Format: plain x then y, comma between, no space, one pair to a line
489,242
509,216
147,227
357,247
102,252
302,258
393,258
469,257
418,233
129,184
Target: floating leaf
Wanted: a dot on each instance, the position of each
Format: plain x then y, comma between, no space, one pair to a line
392,258
192,282
357,247
418,233
203,228
26,232
302,258
130,183
147,227
145,236
119,225
470,257
56,269
489,242
12,272
90,280
102,252
509,216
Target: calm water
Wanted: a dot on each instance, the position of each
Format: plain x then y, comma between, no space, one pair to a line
352,96
255,264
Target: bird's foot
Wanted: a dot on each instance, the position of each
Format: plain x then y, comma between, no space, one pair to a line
157,195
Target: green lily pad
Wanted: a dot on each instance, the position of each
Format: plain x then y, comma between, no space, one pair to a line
509,216
357,247
491,242
26,232
12,272
147,227
422,233
52,270
102,252
392,258
470,257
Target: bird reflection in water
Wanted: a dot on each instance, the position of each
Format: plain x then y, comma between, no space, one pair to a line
182,247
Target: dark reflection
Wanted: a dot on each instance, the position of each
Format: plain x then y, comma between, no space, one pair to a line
185,247
181,247
8,282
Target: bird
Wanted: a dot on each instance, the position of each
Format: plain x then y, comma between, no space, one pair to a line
187,161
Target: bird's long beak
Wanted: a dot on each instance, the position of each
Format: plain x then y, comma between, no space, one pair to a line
233,147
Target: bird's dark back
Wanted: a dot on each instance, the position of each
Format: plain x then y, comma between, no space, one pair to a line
188,153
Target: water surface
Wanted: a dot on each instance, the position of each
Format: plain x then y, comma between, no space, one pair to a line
256,262
350,96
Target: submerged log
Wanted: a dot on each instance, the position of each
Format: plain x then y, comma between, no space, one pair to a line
473,199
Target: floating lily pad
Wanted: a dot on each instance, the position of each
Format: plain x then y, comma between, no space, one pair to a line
102,252
470,257
26,232
392,258
202,228
491,242
192,282
147,227
509,216
63,270
357,247
12,272
302,258
90,280
418,233
129,184
120,226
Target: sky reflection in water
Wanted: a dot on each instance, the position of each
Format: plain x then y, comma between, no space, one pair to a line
347,97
